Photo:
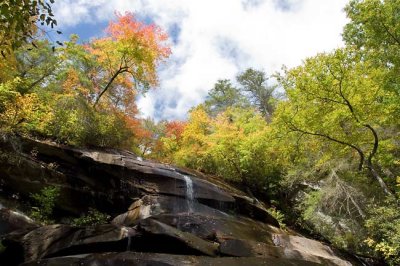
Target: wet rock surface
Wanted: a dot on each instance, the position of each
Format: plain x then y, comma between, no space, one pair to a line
12,220
161,215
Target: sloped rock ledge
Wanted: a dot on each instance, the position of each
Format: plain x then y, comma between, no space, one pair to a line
155,221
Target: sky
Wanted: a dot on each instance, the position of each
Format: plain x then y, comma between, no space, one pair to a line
214,39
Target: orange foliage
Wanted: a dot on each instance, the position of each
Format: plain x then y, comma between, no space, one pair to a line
128,29
175,128
72,84
132,49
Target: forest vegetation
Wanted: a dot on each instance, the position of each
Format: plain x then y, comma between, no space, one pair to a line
320,142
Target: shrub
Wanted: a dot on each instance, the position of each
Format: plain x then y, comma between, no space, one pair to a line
93,217
279,216
384,230
45,201
76,122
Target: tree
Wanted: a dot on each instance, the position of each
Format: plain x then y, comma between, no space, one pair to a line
130,53
36,67
337,98
224,95
19,19
148,134
170,141
374,29
254,82
193,151
20,112
234,145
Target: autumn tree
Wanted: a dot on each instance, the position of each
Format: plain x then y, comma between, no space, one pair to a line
130,53
60,86
148,134
170,141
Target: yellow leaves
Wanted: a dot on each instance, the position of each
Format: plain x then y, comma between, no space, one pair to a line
197,127
235,145
7,66
24,110
370,242
72,84
383,247
332,97
21,112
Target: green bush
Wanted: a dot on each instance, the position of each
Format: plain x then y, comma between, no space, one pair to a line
45,203
93,217
383,228
279,216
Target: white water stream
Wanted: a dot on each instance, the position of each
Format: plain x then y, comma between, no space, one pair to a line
189,192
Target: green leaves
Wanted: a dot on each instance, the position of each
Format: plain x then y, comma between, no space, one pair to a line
46,202
375,30
223,96
18,22
333,96
253,91
384,230
255,84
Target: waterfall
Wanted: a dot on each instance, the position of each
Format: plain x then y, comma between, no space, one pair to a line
125,233
189,192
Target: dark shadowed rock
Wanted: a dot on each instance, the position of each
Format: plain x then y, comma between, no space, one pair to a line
64,239
157,259
209,227
254,209
154,229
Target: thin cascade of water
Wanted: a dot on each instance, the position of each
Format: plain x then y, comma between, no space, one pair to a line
125,233
189,192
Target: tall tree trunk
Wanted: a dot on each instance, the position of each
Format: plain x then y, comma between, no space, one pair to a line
376,175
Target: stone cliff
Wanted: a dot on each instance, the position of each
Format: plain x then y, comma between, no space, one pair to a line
161,215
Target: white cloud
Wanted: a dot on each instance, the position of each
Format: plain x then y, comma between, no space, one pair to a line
219,38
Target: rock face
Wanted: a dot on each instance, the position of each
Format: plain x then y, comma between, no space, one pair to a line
162,215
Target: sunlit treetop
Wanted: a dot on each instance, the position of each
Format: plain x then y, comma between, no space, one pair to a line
175,128
127,29
132,49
